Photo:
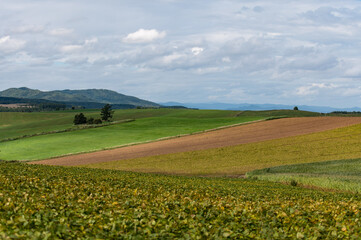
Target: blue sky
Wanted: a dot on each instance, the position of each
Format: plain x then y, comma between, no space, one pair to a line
286,52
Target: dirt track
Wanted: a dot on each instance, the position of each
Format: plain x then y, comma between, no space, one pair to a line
255,132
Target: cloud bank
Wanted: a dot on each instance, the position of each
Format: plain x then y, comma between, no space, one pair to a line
299,52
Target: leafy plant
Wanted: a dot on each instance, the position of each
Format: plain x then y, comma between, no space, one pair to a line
39,202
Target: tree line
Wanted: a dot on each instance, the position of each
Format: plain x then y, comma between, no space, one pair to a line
106,114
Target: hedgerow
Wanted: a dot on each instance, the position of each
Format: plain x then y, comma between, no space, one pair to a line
39,202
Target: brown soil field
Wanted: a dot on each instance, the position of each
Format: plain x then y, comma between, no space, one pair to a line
256,132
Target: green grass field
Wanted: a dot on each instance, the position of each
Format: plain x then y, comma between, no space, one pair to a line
342,175
14,124
43,202
17,124
342,143
150,124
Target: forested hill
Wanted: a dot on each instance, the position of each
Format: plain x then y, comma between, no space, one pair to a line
88,95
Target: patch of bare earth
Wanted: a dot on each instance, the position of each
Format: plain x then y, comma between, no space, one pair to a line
250,133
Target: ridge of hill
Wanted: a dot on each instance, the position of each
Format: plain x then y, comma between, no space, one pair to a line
87,95
43,104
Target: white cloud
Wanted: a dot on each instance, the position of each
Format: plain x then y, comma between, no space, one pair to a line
171,58
24,58
28,29
306,90
197,50
226,59
91,41
61,31
7,44
351,92
71,48
314,88
208,70
144,36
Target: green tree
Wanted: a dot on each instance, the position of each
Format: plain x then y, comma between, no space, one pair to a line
106,112
79,119
295,108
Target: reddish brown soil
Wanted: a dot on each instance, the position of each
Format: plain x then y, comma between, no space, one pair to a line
255,132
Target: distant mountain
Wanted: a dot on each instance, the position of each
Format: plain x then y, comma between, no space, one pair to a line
259,107
43,104
78,96
12,100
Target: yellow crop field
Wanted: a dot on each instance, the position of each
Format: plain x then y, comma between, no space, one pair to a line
341,143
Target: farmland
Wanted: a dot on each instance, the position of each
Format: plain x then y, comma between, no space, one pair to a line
336,144
38,202
247,133
17,124
88,202
342,175
149,124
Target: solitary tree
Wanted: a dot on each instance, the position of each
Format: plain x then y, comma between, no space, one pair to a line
107,112
295,108
79,119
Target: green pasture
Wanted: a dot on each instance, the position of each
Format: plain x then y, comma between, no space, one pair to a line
341,143
18,124
44,202
342,175
149,124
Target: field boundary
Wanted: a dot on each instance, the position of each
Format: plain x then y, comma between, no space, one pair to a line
156,140
73,129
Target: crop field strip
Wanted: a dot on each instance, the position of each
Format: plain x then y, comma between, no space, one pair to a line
336,144
255,132
342,175
149,125
38,202
17,124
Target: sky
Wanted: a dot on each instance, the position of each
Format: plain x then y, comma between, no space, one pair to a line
249,51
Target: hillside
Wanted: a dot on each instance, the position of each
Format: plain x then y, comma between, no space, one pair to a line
88,95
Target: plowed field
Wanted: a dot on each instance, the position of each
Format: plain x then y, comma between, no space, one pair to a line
256,132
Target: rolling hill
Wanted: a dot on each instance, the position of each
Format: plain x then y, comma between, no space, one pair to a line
81,96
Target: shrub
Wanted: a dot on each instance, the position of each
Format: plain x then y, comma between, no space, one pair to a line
293,183
79,119
98,121
90,120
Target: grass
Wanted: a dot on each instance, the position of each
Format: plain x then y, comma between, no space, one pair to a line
344,175
150,124
17,124
43,202
337,144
